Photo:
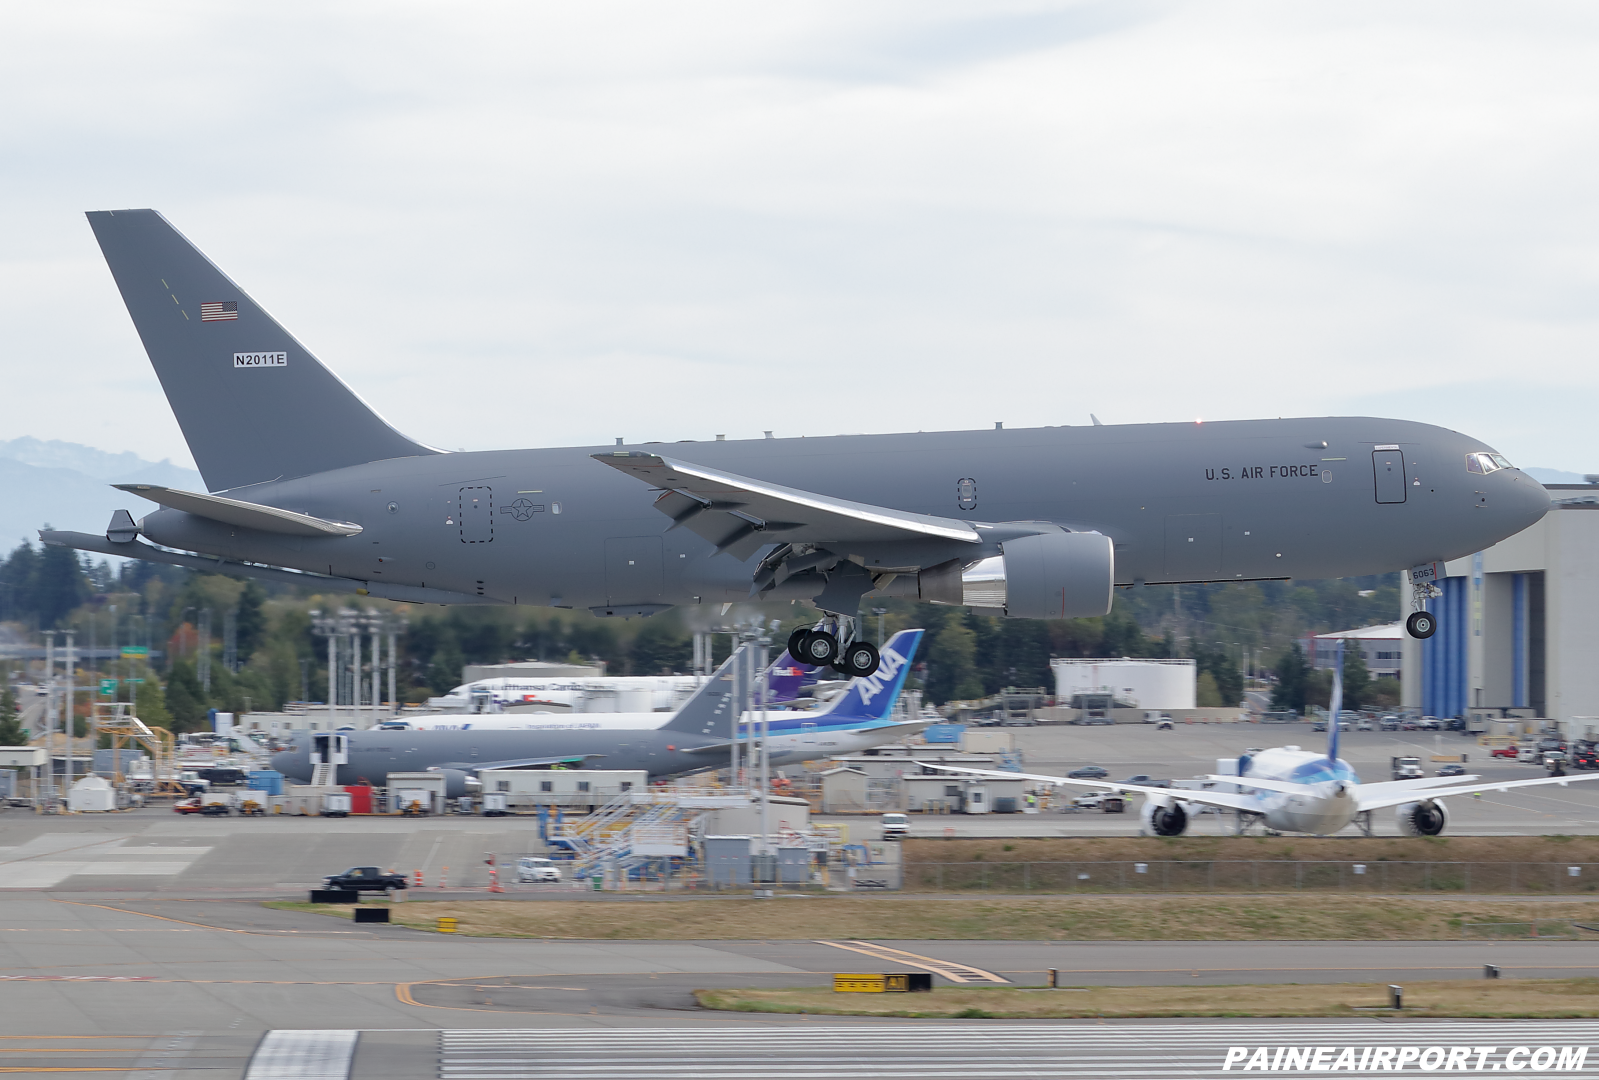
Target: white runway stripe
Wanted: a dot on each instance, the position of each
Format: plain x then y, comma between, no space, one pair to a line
1013,1051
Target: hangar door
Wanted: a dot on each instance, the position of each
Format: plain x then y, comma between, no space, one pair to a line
1388,466
633,570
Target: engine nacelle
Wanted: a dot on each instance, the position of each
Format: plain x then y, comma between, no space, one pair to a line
458,783
1169,819
1053,575
1427,818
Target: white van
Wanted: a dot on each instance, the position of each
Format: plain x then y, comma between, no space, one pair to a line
536,868
895,826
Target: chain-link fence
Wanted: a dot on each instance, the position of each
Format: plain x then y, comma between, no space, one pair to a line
1257,875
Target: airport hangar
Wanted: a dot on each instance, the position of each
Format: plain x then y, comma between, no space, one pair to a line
1518,625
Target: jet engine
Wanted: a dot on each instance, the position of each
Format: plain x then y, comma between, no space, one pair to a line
1422,818
1168,819
458,783
1053,575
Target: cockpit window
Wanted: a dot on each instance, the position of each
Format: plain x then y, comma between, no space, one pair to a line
1501,462
1486,463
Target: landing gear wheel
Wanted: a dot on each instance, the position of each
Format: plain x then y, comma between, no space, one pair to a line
860,659
818,648
1421,625
796,642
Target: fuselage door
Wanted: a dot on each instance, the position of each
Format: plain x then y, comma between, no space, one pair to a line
475,515
1388,467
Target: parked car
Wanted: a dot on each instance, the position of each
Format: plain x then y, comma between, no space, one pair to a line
1585,759
1504,751
365,879
1365,724
1088,772
1551,742
895,826
1389,723
1164,724
1319,725
1452,769
1527,755
186,806
531,868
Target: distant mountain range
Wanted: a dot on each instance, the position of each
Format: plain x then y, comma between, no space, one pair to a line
67,486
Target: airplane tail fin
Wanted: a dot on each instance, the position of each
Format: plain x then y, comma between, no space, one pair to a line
786,678
710,710
1336,704
873,697
254,404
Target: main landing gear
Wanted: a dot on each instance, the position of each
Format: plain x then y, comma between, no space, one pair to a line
819,647
1421,625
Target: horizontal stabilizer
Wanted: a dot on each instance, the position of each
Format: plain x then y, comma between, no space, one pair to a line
244,515
520,763
136,549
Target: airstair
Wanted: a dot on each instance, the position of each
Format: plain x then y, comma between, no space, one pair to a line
323,774
639,825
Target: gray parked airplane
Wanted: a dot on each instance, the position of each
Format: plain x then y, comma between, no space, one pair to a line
696,738
304,478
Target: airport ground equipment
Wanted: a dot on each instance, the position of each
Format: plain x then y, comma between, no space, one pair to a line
445,924
893,982
335,896
370,914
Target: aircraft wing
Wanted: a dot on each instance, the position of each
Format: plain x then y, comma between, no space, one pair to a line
739,514
1380,800
245,515
1208,798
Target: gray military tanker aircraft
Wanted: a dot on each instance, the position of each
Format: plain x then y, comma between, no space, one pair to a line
304,478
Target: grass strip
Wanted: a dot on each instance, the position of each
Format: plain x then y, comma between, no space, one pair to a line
1495,999
1047,918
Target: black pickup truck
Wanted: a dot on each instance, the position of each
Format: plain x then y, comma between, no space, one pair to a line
365,877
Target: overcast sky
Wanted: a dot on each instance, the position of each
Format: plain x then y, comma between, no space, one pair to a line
532,224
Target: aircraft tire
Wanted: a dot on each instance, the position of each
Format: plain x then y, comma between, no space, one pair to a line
818,649
1421,625
860,659
796,642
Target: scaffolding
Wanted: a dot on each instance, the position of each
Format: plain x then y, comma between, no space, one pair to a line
115,719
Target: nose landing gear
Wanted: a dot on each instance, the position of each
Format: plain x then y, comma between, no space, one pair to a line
1421,624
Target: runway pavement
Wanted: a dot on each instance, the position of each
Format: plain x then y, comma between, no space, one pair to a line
195,984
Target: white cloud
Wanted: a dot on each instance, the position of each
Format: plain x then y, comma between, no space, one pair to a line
667,221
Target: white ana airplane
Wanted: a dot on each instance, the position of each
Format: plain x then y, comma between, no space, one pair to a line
1287,789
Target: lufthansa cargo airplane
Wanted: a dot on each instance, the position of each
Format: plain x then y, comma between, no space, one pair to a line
695,738
1286,789
304,478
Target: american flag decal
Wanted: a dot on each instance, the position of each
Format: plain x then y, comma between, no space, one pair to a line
219,311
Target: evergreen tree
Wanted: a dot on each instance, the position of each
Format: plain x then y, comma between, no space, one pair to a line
250,621
12,733
59,585
17,576
185,699
661,647
1357,677
150,704
1293,675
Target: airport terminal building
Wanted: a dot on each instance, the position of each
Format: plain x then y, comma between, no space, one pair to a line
1518,624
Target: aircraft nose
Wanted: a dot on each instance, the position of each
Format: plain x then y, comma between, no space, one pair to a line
1528,501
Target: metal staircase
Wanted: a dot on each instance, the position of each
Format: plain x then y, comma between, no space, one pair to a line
323,775
658,818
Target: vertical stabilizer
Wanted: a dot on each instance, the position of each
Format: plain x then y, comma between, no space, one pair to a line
253,403
872,698
1336,704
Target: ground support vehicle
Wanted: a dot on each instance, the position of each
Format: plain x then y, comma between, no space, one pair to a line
895,826
364,878
1407,768
535,868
